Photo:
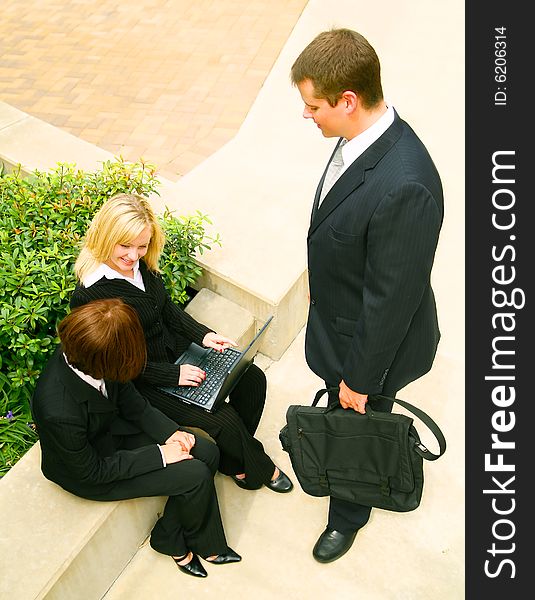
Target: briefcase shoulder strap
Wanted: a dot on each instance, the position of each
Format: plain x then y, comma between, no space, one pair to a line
428,421
423,416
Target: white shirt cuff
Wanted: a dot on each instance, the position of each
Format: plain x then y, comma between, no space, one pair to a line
163,456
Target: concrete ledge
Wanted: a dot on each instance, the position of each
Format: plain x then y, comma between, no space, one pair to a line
289,310
55,545
34,144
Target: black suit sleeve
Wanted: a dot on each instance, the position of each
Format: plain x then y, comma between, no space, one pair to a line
135,408
160,374
402,239
183,324
67,436
180,324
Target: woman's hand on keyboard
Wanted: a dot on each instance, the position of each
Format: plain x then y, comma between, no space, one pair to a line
217,341
190,375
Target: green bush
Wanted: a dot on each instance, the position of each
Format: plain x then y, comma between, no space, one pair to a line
43,218
184,237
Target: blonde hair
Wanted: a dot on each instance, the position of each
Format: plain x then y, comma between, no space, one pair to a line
120,220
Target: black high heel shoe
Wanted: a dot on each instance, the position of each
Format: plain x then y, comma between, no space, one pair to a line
225,558
244,484
282,484
194,567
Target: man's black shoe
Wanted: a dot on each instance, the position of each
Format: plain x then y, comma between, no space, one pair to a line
332,545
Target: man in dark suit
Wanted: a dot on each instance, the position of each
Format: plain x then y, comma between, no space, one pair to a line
372,325
101,440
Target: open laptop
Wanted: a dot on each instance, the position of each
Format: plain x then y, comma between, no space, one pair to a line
223,371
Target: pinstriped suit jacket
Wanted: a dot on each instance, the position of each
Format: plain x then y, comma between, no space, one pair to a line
371,244
76,425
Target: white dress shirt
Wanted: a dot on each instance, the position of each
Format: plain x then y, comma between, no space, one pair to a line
104,271
355,147
98,384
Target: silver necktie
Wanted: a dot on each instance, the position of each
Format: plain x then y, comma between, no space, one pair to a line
333,171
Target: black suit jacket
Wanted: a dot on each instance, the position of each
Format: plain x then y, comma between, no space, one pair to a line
77,426
371,246
168,329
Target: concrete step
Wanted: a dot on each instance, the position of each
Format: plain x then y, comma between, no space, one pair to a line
58,546
223,316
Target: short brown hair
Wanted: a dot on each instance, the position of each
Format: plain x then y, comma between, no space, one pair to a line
104,339
339,60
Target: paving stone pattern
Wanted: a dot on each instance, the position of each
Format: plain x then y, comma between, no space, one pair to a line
168,81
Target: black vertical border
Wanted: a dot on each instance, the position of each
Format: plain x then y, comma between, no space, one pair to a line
493,127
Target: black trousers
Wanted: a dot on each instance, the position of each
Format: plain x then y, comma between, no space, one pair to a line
191,519
345,516
232,426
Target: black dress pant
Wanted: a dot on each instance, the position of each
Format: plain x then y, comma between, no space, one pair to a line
191,519
345,516
232,426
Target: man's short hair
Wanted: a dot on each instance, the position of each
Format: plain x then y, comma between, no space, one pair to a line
104,339
339,60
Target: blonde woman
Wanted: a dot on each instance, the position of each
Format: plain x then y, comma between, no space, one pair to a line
119,259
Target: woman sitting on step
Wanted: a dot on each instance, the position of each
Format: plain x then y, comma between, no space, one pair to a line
119,259
101,440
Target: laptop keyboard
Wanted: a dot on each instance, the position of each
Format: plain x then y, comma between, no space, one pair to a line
216,364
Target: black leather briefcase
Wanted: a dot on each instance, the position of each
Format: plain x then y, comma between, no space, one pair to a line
375,459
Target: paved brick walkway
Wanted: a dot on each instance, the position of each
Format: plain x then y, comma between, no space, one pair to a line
169,81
